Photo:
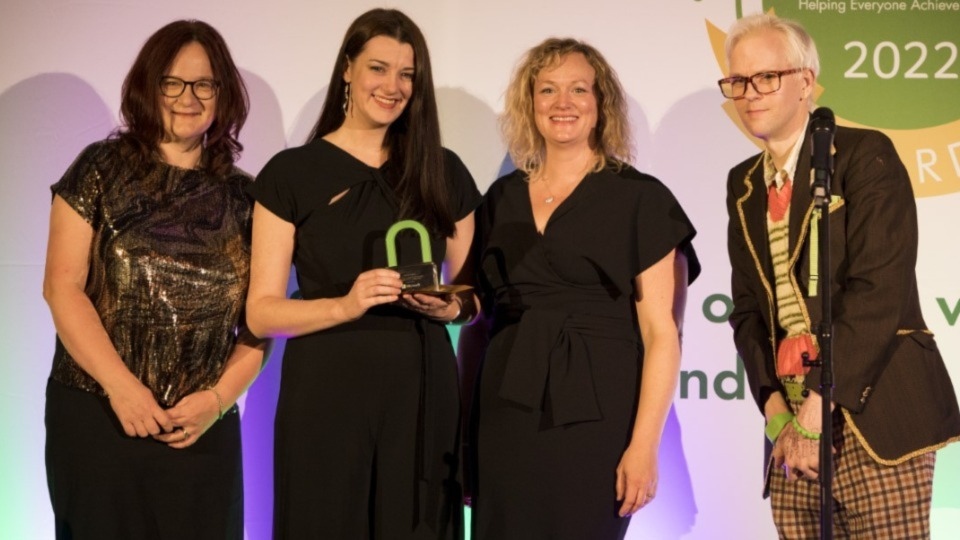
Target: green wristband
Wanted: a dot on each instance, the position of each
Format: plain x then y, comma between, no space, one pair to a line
804,432
776,425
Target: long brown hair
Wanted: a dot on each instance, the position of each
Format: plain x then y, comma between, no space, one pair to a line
415,166
143,130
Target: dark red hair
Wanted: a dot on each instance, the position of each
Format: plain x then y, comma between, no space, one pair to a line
143,130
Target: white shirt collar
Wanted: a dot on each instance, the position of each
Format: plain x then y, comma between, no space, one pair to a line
789,170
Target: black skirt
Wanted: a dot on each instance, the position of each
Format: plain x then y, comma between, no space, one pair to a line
104,484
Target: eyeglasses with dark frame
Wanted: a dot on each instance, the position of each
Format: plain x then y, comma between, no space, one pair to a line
173,87
765,82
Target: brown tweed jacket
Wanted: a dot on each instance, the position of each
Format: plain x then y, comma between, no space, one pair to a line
890,380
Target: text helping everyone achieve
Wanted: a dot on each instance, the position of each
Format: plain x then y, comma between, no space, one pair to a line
842,6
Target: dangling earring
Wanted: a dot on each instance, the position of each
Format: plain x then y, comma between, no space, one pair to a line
346,98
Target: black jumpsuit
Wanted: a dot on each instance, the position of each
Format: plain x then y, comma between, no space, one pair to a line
368,414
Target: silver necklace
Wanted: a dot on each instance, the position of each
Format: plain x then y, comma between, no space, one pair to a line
549,198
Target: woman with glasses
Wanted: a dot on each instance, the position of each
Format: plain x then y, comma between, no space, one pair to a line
368,415
583,264
146,277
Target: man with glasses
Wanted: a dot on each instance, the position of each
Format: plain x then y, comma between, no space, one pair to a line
894,404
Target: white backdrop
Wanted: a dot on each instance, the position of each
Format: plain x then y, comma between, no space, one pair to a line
61,66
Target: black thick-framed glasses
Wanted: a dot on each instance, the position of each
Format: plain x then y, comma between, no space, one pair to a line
173,87
765,82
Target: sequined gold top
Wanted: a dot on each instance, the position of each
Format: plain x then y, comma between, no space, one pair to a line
169,266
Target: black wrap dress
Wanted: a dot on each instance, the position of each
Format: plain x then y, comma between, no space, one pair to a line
559,384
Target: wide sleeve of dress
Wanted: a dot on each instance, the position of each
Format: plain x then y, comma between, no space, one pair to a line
82,185
664,226
484,219
274,186
465,194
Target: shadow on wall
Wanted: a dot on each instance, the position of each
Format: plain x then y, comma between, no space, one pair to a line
46,121
262,136
694,161
307,118
643,151
674,511
469,128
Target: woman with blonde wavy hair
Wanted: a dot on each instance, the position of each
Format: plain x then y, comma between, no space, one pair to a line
582,265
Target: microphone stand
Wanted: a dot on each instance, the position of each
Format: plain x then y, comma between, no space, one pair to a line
822,169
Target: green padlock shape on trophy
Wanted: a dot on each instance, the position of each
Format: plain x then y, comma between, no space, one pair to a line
419,276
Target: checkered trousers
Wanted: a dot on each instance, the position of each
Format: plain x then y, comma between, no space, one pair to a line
871,501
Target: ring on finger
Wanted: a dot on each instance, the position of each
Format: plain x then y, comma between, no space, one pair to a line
186,434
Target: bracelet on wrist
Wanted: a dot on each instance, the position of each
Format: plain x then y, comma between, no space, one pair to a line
806,434
465,316
219,402
460,317
776,424
459,310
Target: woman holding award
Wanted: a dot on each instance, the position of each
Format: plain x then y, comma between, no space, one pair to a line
368,415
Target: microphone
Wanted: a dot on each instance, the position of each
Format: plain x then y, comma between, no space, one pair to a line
822,127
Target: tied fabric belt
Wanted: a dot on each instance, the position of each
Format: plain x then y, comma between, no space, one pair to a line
551,355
